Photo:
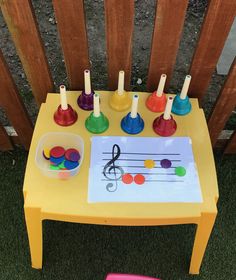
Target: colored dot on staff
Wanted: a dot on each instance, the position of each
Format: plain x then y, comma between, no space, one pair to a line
139,179
127,178
180,171
166,163
149,163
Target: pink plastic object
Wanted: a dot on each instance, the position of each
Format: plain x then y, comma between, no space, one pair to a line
115,276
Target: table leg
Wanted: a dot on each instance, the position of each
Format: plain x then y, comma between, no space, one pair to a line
202,236
34,229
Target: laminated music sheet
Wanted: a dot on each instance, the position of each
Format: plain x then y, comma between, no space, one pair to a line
143,169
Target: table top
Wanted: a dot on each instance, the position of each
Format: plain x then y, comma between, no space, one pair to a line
66,200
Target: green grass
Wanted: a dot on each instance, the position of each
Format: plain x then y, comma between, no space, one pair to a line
87,252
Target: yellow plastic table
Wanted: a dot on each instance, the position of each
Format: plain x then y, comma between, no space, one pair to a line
66,200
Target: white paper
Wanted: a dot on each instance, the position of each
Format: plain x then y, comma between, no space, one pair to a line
161,185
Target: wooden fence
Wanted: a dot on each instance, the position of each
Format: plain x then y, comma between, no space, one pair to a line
119,19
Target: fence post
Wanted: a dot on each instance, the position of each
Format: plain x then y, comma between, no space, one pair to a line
11,101
5,142
21,22
169,21
217,23
224,105
231,146
119,30
72,30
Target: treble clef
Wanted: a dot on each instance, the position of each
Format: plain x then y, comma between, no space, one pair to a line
110,166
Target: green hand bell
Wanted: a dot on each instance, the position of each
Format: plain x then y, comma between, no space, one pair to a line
97,122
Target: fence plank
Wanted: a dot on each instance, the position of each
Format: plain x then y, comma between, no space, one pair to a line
224,105
5,142
217,23
169,21
231,146
119,30
12,103
22,25
71,26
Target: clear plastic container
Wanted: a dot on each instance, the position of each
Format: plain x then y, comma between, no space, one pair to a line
66,140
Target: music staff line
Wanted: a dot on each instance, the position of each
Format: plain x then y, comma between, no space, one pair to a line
141,166
145,154
144,173
126,159
168,181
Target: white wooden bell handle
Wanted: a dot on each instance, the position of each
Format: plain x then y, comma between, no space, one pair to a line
96,105
167,113
64,104
121,81
134,108
87,81
185,87
161,85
